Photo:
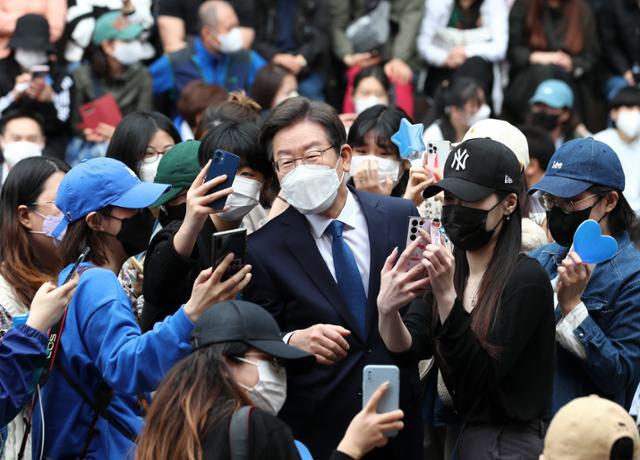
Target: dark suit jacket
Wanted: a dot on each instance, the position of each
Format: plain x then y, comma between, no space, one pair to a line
292,281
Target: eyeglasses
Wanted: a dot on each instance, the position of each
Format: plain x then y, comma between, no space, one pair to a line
275,362
152,155
310,157
549,202
42,203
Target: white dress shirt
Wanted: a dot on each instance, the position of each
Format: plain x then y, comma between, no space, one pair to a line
565,328
355,234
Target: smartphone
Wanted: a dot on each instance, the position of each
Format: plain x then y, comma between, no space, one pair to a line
375,375
222,162
76,264
415,223
437,152
222,243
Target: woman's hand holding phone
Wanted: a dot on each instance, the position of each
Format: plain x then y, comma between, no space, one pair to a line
209,289
49,303
399,286
440,265
198,210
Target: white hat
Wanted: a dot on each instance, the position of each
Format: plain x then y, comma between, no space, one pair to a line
503,132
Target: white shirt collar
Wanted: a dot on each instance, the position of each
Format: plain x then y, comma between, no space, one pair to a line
347,216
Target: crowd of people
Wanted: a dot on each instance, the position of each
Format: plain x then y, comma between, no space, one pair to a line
125,335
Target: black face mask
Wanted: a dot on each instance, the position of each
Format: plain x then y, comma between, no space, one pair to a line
467,227
135,232
172,213
563,226
544,120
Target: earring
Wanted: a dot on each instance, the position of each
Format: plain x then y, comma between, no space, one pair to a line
508,216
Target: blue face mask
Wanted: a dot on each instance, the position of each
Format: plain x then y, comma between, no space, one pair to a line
49,224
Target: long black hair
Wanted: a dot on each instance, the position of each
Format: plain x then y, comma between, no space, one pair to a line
23,186
495,278
133,134
451,93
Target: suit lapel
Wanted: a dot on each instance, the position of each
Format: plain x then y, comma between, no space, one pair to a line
378,227
303,247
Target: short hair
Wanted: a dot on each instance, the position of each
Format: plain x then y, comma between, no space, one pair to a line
208,14
541,145
239,138
196,97
383,121
376,72
267,83
296,110
626,97
237,107
14,114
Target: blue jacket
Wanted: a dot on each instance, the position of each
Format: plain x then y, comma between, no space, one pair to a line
172,72
101,341
22,353
610,334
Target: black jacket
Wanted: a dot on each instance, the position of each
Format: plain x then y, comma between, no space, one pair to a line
516,385
619,24
310,30
168,276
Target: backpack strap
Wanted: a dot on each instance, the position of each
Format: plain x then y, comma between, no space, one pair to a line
239,433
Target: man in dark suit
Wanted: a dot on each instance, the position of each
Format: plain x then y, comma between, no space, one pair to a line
316,269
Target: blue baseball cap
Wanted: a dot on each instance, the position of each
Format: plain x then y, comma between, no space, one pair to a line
579,164
554,93
100,182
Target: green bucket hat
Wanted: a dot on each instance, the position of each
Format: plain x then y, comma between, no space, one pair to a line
114,26
178,167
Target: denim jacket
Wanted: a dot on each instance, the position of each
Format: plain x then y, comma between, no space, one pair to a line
610,334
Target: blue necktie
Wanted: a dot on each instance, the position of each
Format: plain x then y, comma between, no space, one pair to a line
348,275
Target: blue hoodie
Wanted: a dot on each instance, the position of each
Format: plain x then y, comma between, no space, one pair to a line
102,341
22,352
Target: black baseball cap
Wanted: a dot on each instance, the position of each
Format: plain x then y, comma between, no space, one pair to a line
477,168
239,321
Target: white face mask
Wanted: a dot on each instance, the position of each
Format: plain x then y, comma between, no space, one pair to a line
270,392
363,103
30,58
629,123
148,170
129,53
311,189
245,197
482,113
386,167
13,152
232,41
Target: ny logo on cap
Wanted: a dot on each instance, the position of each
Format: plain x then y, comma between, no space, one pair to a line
460,160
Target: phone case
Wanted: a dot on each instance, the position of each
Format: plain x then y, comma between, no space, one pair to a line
222,243
222,162
437,152
375,375
102,110
415,223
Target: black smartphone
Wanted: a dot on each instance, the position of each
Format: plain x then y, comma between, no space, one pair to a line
222,243
39,71
76,264
222,162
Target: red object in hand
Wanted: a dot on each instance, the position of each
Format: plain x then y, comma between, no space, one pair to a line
102,110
